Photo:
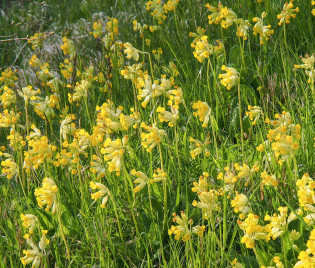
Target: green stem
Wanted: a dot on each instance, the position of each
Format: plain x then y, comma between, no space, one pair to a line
61,231
240,115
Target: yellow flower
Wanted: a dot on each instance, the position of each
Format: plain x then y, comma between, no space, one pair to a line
68,48
239,203
113,151
287,13
263,31
165,116
279,222
39,152
202,184
230,78
141,179
183,230
47,195
8,119
36,253
127,121
35,62
254,112
29,221
208,202
10,168
200,147
227,17
158,12
97,29
203,49
81,90
268,179
204,112
252,230
102,193
131,51
197,36
242,28
28,94
309,66
152,138
216,15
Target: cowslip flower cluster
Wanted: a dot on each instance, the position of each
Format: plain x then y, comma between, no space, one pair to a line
8,77
47,195
39,152
306,196
97,29
242,28
230,179
8,118
254,113
68,48
199,147
8,97
143,180
9,167
29,222
252,230
80,91
270,180
102,192
239,203
132,53
166,116
221,14
279,222
202,184
203,112
113,151
158,12
152,138
183,230
307,257
200,32
284,137
208,202
287,13
203,49
245,172
260,29
230,78
309,66
37,40
36,253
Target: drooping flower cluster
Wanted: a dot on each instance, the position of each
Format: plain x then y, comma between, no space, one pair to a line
199,147
102,193
309,66
260,29
184,229
287,13
35,255
47,195
153,137
252,230
203,112
230,78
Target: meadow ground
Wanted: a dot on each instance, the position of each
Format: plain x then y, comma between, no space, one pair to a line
157,133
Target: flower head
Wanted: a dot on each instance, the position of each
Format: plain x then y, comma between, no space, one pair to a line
230,78
47,195
102,193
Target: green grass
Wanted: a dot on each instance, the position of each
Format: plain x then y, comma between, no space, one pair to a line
132,229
